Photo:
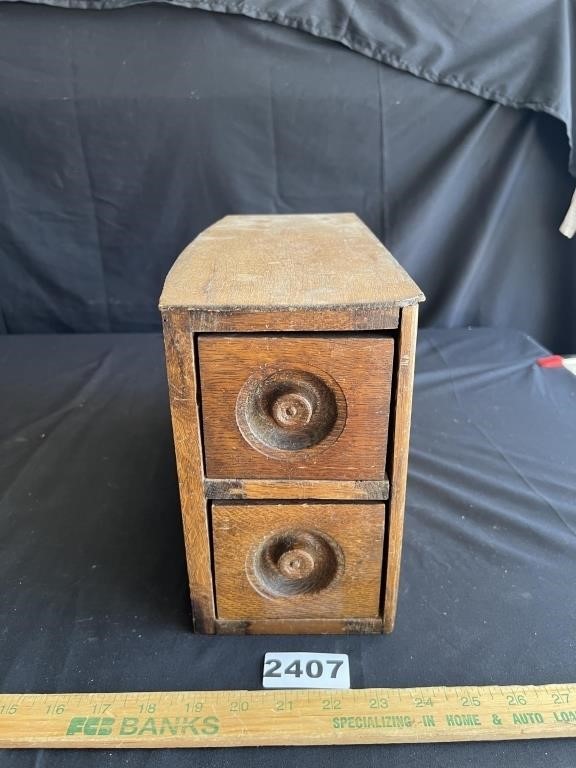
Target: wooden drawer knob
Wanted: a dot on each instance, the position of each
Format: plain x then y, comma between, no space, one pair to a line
290,409
295,562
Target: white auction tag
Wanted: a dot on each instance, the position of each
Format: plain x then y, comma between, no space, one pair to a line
306,670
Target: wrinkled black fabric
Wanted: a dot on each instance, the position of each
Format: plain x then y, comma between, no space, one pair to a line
123,134
93,588
517,53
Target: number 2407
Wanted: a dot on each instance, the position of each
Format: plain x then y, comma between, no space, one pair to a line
313,668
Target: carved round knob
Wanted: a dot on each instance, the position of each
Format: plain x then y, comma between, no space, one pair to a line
292,410
282,410
295,563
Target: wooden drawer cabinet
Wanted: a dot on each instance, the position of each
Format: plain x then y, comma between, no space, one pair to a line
290,353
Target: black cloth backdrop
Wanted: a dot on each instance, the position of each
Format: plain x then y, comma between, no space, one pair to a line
93,587
124,133
518,53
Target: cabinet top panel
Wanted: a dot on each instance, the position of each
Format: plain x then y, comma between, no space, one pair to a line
281,263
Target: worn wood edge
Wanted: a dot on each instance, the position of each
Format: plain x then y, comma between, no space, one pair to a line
240,319
406,349
297,626
181,370
340,234
373,306
330,490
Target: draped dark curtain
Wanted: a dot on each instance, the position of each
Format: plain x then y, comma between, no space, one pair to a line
124,133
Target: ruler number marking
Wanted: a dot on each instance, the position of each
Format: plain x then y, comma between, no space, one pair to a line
331,704
516,700
470,701
100,709
55,709
378,702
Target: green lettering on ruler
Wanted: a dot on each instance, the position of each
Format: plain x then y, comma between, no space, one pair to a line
462,721
527,718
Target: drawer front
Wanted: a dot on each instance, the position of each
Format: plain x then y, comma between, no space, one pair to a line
297,560
301,407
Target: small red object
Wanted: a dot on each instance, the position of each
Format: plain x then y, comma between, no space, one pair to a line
551,361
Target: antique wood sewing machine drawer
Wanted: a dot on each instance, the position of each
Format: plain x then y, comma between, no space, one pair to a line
294,406
304,561
290,346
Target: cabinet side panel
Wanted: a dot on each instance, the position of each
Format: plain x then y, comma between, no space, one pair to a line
180,364
399,465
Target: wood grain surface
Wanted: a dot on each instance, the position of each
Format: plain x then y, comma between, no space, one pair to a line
297,319
399,460
241,718
333,490
299,626
242,531
187,441
280,264
359,368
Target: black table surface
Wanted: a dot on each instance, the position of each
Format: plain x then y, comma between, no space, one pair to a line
93,587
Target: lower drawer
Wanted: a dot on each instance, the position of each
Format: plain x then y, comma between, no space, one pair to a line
297,560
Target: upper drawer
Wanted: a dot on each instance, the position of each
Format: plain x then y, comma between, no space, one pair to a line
310,407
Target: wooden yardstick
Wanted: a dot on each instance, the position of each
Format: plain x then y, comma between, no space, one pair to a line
295,717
